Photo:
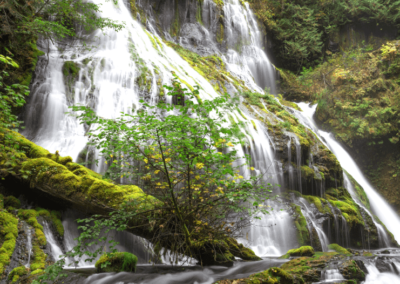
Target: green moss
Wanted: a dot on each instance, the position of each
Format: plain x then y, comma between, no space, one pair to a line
56,219
307,172
320,203
254,125
70,68
302,251
30,217
175,27
17,272
288,103
117,262
220,33
12,202
9,232
38,258
339,249
240,250
34,54
349,210
362,196
210,67
42,212
303,235
75,181
26,214
37,271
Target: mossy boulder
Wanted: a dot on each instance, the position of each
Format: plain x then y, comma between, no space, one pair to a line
16,273
350,270
302,251
117,262
339,249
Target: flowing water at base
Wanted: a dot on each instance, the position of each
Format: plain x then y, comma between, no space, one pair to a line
197,274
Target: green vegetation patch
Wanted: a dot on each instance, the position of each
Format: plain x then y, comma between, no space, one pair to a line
30,217
9,233
210,67
17,272
303,235
302,251
339,249
70,68
117,262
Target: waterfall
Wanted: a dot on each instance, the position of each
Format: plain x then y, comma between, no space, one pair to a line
245,55
331,274
56,251
309,215
29,245
382,209
127,241
272,235
121,68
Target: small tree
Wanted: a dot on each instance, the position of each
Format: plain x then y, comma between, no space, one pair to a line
185,155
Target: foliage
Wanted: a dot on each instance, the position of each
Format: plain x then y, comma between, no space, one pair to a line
117,262
53,20
188,160
300,29
17,272
10,96
357,93
185,155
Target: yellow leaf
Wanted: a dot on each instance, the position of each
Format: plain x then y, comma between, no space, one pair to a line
157,171
111,156
230,144
146,161
199,166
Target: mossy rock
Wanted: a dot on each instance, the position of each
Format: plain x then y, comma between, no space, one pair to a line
339,249
302,251
9,234
16,273
56,219
39,258
11,201
117,262
70,68
350,270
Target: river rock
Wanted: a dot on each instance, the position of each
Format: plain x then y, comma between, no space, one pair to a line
382,266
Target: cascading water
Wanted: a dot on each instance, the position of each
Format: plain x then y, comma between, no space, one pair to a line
381,208
29,245
382,235
56,251
124,67
378,204
126,241
312,225
245,47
